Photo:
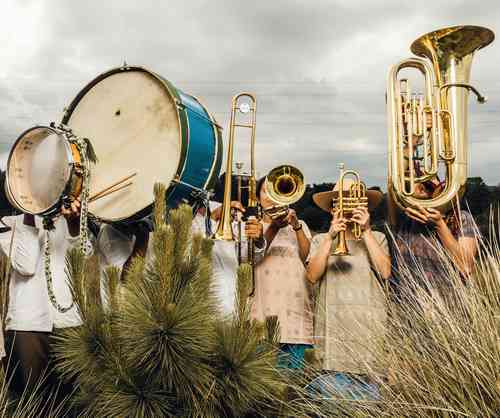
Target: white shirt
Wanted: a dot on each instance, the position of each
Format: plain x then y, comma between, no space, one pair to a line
113,248
30,308
225,265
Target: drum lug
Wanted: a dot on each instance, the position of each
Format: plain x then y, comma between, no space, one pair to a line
180,105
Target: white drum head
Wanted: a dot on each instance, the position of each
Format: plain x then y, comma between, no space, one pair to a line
38,170
132,122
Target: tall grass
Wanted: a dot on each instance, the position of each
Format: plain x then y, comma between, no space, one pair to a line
441,352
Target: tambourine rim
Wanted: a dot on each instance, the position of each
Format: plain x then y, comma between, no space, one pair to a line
7,186
181,119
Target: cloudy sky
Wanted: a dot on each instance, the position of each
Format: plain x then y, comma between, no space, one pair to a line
318,68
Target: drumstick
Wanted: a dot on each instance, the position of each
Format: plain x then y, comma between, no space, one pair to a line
103,194
98,194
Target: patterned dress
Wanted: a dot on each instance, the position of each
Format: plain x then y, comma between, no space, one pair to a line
282,290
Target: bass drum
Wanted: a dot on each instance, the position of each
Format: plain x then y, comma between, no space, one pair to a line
140,125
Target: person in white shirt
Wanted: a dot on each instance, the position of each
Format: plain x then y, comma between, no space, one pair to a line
37,307
224,254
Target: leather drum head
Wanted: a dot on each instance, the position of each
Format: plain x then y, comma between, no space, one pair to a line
132,121
38,170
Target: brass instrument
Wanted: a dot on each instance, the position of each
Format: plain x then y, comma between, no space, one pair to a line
245,104
239,178
284,185
355,198
417,151
224,230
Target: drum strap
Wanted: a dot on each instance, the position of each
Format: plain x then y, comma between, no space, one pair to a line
87,155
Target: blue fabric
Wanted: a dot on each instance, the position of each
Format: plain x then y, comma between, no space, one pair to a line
345,386
291,356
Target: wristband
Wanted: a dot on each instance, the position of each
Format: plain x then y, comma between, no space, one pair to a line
297,229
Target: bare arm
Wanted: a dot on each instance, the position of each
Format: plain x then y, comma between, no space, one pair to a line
462,250
304,244
319,261
380,259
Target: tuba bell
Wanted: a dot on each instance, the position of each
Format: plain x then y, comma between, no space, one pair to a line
284,185
417,151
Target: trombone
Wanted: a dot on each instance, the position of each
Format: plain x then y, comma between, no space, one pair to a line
242,104
355,198
284,185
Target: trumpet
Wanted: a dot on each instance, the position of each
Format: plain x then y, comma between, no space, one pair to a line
355,198
284,185
417,151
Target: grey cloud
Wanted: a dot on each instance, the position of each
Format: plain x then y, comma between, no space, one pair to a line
318,69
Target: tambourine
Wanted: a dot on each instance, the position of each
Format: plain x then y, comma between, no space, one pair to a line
44,171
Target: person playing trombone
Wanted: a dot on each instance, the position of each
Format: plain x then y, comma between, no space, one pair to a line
281,288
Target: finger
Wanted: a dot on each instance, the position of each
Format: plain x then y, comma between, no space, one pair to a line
416,215
417,218
433,211
237,205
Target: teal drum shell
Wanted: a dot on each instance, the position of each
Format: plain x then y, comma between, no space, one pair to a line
198,155
203,158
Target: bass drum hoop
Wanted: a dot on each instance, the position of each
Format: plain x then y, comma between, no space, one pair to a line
72,157
183,135
182,120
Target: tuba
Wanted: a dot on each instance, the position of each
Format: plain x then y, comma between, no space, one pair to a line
284,185
417,151
355,197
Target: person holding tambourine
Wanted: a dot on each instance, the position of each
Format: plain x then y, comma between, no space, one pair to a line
39,303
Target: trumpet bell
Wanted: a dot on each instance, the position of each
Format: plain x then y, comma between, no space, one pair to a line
285,185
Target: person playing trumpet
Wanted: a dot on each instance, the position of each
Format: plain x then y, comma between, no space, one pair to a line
350,307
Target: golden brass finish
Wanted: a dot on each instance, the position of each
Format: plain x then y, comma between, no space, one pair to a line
446,68
346,202
248,104
284,185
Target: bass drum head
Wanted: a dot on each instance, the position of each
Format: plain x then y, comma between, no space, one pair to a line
132,121
38,170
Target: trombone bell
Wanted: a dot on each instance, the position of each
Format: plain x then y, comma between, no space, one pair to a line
284,185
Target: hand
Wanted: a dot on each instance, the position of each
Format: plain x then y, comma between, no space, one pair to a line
291,219
338,224
217,212
361,216
235,204
424,216
29,220
72,215
73,211
253,229
278,223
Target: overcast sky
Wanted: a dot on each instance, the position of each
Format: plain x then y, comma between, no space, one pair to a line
318,68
